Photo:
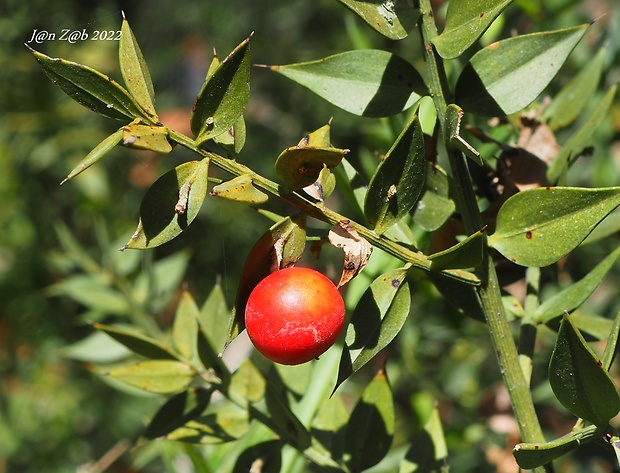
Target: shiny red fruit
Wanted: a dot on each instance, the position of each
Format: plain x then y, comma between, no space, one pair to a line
294,315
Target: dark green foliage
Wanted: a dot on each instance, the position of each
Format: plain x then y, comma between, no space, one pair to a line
71,300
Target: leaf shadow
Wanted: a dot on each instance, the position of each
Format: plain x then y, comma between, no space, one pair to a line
472,95
392,81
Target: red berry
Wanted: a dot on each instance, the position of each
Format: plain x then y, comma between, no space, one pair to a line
294,315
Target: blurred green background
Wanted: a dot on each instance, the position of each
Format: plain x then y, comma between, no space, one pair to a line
60,268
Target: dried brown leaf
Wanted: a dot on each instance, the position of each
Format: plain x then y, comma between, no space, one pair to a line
357,250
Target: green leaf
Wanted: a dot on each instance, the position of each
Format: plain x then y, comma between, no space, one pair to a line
606,228
171,204
576,294
429,451
156,376
214,318
299,167
149,137
248,383
581,139
573,98
135,71
96,348
285,420
508,75
177,411
91,88
466,21
399,180
579,380
281,246
223,96
454,141
370,82
435,206
233,139
96,154
217,371
370,429
596,326
92,292
537,227
377,319
267,453
465,254
185,326
222,422
393,20
533,455
463,297
138,343
612,343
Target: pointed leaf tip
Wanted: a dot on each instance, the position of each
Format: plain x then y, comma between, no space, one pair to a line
372,83
508,75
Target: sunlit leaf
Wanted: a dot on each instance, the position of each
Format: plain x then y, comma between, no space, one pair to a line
579,380
96,154
428,451
537,227
223,96
370,430
185,326
465,254
369,82
299,167
240,189
91,88
222,422
377,319
171,204
215,317
393,19
577,293
177,411
533,455
135,70
248,383
324,185
508,75
149,137
156,376
233,139
466,21
138,343
399,180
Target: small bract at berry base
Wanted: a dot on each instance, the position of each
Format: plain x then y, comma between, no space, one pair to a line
294,315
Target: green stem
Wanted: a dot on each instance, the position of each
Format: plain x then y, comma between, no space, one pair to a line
489,291
527,338
320,212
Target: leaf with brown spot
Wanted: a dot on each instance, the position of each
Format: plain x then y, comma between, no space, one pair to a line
357,250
